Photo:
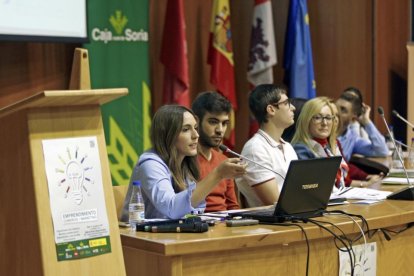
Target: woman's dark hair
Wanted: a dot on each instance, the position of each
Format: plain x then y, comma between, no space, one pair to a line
165,128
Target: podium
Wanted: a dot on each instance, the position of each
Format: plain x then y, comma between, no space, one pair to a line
26,230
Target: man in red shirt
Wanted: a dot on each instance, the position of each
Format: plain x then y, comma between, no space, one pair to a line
212,110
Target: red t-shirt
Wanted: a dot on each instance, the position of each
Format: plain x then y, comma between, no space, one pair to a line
223,196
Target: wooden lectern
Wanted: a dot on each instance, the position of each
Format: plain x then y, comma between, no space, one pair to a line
27,245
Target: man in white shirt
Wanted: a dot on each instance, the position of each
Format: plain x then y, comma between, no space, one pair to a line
273,111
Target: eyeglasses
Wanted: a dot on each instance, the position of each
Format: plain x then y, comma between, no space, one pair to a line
319,118
286,102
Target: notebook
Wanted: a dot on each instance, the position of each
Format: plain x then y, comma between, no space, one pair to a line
305,193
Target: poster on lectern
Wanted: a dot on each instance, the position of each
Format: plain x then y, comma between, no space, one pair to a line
77,201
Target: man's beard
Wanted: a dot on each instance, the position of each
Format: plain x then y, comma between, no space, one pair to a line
206,140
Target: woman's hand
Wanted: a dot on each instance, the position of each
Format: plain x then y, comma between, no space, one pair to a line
231,168
370,180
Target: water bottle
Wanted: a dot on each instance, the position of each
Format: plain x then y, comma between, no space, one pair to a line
389,138
410,157
136,205
396,162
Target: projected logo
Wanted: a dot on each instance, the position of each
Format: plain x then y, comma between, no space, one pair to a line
118,22
75,174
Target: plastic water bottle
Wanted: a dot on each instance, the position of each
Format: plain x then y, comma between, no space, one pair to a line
136,205
388,139
410,157
396,162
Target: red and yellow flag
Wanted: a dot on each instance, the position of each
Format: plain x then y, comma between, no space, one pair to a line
174,56
220,57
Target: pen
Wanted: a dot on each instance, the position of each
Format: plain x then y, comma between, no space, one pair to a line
212,218
241,222
345,190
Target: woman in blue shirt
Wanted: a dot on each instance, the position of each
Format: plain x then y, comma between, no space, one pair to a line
169,171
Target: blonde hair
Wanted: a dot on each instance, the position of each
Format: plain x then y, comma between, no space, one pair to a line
310,109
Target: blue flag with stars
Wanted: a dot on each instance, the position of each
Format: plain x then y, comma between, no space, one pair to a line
298,63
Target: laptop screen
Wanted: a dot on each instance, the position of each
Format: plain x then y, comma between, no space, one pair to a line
308,185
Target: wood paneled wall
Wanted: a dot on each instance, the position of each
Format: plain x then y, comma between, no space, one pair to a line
391,34
342,45
355,42
26,68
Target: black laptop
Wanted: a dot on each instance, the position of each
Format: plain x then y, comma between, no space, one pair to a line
305,193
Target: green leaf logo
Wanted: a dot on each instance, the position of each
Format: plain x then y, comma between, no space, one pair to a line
118,21
146,120
122,156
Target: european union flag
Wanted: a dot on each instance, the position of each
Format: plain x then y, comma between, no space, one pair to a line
298,64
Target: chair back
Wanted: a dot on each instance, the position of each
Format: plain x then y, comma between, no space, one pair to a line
119,194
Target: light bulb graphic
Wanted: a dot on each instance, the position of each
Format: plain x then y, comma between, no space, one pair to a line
75,175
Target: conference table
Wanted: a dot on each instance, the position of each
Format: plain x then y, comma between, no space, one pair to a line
275,250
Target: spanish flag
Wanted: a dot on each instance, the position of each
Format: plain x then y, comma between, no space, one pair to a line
220,57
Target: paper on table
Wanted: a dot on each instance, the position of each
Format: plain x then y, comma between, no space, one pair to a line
397,181
365,193
366,201
400,173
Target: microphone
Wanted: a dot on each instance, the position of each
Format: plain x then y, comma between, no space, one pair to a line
402,144
226,149
196,227
406,193
396,114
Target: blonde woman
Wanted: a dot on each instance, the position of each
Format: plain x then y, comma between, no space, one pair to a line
316,133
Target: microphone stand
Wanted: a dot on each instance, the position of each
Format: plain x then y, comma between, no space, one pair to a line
404,145
403,119
405,193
